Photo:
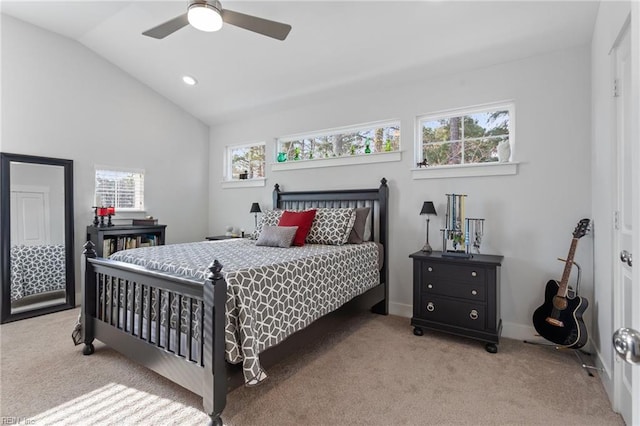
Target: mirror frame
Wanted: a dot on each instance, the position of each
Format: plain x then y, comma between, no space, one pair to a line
5,229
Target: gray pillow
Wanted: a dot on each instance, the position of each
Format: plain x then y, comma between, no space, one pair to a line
360,231
276,236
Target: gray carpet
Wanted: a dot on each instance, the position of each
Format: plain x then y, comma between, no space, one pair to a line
371,370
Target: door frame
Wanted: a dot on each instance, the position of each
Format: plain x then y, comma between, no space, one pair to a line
632,25
635,137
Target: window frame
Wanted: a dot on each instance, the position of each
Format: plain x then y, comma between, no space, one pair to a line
358,158
227,177
137,193
508,105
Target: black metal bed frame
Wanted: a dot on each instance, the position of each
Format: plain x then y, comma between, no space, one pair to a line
128,327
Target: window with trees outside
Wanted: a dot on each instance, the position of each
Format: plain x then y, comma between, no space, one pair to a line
245,161
120,188
466,136
355,140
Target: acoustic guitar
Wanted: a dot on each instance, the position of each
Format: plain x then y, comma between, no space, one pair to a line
559,319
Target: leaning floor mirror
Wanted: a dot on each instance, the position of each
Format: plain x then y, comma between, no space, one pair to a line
36,248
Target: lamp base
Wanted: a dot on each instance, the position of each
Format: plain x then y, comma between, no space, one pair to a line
427,248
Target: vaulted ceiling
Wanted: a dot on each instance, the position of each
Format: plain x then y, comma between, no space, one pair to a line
331,45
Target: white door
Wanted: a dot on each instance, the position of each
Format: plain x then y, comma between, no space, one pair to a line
626,282
30,224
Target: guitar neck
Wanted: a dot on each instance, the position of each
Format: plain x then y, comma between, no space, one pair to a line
564,282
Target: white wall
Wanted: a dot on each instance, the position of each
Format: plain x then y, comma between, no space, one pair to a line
59,99
609,23
530,217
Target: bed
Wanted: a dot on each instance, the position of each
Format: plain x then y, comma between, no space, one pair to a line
37,269
190,311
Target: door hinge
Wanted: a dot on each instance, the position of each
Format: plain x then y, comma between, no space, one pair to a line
615,88
616,220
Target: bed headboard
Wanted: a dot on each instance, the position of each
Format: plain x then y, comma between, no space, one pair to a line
376,198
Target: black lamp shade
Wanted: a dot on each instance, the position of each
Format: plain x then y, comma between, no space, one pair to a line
428,208
255,208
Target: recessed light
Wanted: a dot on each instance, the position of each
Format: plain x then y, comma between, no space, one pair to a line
188,80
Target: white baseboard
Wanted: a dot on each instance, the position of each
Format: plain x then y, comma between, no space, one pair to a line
606,376
401,309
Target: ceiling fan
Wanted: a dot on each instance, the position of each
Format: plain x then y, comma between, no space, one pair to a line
208,15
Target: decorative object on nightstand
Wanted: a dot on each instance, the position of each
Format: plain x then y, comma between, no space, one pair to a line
255,209
428,208
101,212
111,211
474,230
460,230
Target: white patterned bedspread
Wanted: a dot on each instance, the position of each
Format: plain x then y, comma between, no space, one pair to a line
271,292
37,269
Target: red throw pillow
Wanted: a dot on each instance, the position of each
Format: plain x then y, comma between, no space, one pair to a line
302,220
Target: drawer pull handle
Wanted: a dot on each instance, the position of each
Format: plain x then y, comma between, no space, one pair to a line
474,274
429,286
473,314
430,307
430,269
474,292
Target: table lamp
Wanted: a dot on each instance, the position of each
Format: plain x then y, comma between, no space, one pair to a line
255,209
428,209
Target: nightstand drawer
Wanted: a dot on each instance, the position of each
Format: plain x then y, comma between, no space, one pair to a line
454,312
470,274
440,286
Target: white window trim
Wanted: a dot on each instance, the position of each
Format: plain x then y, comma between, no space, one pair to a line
227,181
243,183
97,167
505,104
347,160
375,157
466,170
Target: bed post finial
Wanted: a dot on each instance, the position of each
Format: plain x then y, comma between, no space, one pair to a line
276,196
383,182
215,268
89,249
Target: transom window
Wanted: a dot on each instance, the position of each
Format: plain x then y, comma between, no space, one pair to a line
361,139
467,136
120,188
245,161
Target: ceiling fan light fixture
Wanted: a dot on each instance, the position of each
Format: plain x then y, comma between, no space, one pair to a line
205,16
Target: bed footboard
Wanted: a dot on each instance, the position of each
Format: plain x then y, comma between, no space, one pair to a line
172,325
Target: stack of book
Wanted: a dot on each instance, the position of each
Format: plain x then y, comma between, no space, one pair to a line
114,244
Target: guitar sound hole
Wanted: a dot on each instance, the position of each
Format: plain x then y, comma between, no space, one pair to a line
559,303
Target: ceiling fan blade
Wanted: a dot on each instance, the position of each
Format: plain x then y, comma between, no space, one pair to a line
262,26
169,27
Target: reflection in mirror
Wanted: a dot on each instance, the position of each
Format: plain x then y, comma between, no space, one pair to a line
37,236
37,214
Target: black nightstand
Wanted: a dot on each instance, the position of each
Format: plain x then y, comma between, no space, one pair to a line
220,237
457,295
